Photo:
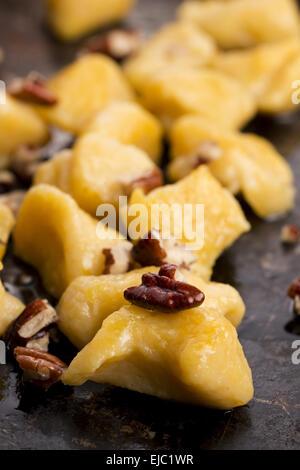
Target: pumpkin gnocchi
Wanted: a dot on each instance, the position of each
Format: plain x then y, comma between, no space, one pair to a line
191,356
177,91
59,239
243,23
224,219
10,309
89,300
71,19
246,163
99,170
19,125
177,44
129,124
82,89
7,221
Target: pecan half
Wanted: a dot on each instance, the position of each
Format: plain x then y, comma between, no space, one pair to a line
7,181
118,258
32,89
13,200
31,326
39,368
159,292
151,179
152,250
118,43
290,234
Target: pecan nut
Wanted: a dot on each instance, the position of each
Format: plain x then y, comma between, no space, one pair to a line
148,181
118,258
290,234
30,328
40,368
294,289
25,161
163,293
205,154
119,44
32,89
152,250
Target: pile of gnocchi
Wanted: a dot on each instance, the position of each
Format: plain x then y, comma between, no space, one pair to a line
144,314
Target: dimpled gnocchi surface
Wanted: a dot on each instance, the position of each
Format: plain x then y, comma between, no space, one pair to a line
193,356
224,219
89,300
10,309
59,239
7,221
19,124
130,124
181,44
71,19
243,23
248,164
177,91
84,88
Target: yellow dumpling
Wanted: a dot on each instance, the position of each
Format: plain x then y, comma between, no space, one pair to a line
56,171
7,221
84,88
191,356
89,300
283,95
103,169
181,44
224,220
246,163
129,124
178,91
243,23
19,124
257,67
60,240
10,309
71,19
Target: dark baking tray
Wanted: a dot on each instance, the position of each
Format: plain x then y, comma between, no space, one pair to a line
104,417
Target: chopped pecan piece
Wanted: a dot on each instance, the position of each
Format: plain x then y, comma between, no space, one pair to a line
151,179
31,326
7,181
118,258
39,368
13,200
159,292
25,161
290,234
171,271
294,289
32,89
297,305
206,153
152,250
118,43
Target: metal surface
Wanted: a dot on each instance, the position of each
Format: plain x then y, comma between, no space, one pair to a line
104,417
